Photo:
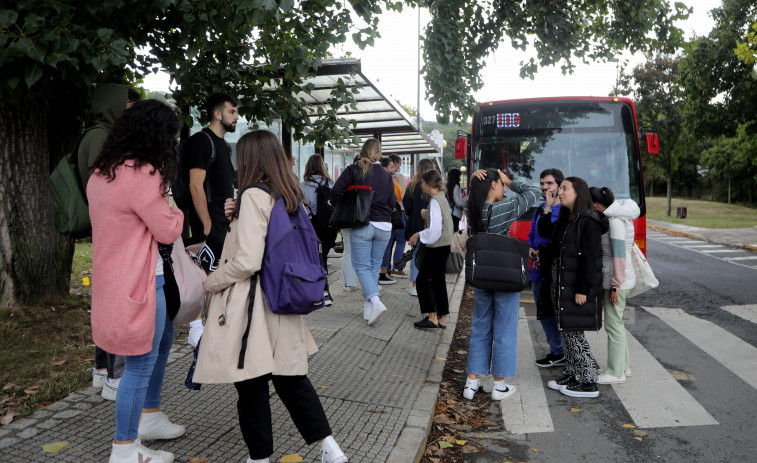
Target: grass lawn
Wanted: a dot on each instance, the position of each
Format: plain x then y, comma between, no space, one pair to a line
704,214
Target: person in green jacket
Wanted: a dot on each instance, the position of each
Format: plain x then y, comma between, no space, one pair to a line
109,101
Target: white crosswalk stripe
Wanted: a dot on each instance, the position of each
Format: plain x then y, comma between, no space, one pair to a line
747,312
716,251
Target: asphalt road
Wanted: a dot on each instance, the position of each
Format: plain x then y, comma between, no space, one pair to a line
692,396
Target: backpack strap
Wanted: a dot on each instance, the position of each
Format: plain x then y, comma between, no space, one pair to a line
210,163
253,278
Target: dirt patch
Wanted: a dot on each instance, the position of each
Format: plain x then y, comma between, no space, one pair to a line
456,417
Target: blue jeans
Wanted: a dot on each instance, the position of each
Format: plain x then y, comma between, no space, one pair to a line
348,273
397,236
494,333
368,246
549,324
143,374
413,268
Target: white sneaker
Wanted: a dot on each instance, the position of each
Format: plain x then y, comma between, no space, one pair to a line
376,313
413,291
471,387
606,378
195,333
331,453
627,372
110,388
264,460
136,452
367,309
98,377
502,390
154,426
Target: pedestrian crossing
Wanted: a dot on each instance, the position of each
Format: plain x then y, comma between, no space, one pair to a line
670,404
737,256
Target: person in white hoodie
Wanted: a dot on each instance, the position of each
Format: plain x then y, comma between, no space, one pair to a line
618,278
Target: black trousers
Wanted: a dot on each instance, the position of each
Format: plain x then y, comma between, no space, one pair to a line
327,235
430,284
299,397
455,224
112,362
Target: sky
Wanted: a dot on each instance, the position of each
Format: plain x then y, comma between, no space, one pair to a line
392,63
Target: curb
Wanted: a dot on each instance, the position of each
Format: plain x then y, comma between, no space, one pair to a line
411,443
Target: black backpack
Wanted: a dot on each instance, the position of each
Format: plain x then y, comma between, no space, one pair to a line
180,186
323,194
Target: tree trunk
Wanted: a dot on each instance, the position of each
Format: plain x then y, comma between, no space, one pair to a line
35,261
669,195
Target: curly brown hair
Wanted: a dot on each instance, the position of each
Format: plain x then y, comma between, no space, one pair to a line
145,134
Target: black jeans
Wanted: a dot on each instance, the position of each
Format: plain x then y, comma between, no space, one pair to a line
430,284
112,362
327,235
299,397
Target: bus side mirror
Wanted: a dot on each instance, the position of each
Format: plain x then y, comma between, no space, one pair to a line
461,147
653,143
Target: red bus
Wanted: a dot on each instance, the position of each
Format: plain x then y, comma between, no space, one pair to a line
595,138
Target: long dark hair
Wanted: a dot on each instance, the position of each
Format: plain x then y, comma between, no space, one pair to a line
145,134
261,159
602,195
583,200
423,166
433,178
453,180
315,166
478,191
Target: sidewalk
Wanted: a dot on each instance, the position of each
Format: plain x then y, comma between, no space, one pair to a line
378,386
739,237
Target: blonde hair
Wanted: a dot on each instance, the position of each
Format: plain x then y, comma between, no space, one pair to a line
369,153
424,165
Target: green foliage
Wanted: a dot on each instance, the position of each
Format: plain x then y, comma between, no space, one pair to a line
462,34
733,160
720,88
746,51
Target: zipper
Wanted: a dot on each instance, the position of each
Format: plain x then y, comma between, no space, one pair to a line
559,278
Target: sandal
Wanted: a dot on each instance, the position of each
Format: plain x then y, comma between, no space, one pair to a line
425,323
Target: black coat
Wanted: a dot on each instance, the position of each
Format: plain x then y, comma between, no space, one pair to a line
413,203
577,248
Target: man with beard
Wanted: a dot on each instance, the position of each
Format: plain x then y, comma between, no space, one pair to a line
207,157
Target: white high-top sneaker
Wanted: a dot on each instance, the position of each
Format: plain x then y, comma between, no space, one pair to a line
136,452
331,453
154,426
471,387
264,460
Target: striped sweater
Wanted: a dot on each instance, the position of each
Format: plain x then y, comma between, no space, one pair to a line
617,244
507,211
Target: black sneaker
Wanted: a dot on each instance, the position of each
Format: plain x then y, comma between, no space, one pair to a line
425,323
558,384
580,390
385,280
551,360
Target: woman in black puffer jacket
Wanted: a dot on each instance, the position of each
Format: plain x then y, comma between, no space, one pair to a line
574,256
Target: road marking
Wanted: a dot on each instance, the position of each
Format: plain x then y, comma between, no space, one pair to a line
701,246
747,312
527,410
738,356
652,397
704,252
708,251
740,258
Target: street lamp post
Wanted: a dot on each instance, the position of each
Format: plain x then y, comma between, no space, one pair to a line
617,72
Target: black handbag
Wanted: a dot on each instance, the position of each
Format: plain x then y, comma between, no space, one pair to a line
496,262
354,208
397,212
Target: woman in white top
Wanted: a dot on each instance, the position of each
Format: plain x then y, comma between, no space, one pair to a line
436,239
618,278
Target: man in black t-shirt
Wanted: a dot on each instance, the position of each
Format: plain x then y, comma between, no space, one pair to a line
211,182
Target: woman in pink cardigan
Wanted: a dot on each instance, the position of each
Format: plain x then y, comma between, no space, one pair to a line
128,206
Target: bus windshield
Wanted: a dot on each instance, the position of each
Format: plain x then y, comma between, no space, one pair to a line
592,140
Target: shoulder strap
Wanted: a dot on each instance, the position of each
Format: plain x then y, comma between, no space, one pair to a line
212,148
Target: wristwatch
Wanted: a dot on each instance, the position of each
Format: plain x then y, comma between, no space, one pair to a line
614,290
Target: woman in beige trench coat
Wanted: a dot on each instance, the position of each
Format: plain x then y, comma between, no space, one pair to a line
278,345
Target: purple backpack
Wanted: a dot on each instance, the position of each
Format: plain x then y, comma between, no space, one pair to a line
291,276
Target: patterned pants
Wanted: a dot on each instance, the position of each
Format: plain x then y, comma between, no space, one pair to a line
578,357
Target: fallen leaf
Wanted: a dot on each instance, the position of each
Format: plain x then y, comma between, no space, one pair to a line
58,363
441,358
470,449
435,460
36,386
479,436
462,352
450,439
639,432
55,447
31,391
458,371
444,444
7,419
534,450
322,387
575,410
197,460
461,442
8,386
628,426
451,401
638,438
291,458
85,281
